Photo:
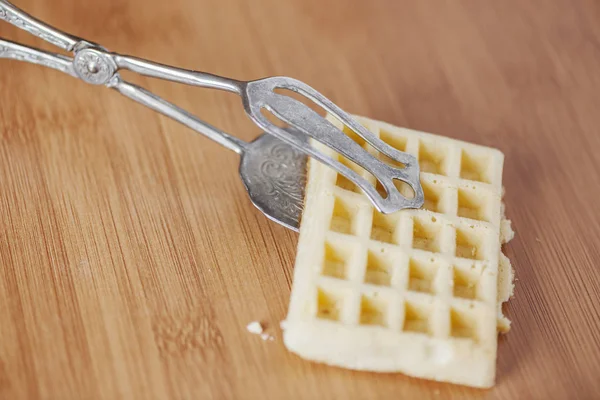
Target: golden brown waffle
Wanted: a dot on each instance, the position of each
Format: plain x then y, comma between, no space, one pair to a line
417,291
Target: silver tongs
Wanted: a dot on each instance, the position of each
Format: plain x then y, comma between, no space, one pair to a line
95,65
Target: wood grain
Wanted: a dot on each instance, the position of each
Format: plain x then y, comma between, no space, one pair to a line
131,259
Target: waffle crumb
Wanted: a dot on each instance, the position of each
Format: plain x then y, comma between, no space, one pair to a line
418,291
255,327
267,337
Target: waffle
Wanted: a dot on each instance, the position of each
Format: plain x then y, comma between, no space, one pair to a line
418,291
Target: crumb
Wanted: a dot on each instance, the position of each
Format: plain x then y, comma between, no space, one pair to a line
266,336
255,327
538,240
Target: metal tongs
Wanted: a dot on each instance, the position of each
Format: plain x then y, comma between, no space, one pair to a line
95,65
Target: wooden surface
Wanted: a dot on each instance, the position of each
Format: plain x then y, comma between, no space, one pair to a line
131,259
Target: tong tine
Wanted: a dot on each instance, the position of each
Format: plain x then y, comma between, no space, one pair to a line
335,111
342,144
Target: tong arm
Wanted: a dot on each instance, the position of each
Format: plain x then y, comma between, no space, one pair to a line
173,74
172,111
20,52
21,19
65,64
105,65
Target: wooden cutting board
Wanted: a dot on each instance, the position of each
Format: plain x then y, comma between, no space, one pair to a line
131,259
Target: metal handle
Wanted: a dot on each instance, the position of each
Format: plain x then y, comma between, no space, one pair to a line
161,71
21,19
64,64
23,53
156,103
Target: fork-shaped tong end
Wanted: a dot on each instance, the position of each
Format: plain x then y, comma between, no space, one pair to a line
261,94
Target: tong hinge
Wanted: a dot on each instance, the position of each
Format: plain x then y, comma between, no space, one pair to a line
93,64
